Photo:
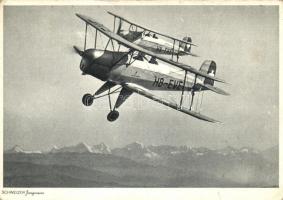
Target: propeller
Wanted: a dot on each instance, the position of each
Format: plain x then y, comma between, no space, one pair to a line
78,51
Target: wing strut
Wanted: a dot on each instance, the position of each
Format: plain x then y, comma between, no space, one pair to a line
183,89
114,24
95,40
107,44
193,92
86,24
173,49
122,57
178,53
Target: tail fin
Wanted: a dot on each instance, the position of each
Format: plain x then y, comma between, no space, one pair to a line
186,47
209,67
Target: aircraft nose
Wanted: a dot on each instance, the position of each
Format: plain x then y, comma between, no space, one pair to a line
88,61
91,58
83,65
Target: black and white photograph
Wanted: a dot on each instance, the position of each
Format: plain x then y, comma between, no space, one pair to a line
141,96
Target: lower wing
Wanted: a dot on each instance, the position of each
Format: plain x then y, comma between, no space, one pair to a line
144,92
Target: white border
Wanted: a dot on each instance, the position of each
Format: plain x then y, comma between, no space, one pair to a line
147,193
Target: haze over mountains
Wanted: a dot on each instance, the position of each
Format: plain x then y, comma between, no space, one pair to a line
132,148
137,165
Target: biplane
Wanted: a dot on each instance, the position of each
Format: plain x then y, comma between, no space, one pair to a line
152,40
124,73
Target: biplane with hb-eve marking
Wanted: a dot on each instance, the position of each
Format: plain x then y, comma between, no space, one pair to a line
152,40
133,73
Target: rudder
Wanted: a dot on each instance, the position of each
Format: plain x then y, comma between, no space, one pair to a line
209,67
185,46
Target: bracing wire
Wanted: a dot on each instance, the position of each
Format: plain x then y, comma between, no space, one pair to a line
100,36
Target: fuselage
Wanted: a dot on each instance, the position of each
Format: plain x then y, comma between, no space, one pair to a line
160,46
153,44
114,67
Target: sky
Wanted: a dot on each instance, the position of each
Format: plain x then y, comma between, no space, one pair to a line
43,85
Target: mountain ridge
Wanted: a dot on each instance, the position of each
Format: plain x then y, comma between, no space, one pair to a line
137,147
140,165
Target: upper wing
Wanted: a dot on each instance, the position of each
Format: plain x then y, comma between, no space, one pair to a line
130,45
142,91
146,29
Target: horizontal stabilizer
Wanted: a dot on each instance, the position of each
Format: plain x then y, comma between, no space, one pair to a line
197,115
191,54
144,92
214,89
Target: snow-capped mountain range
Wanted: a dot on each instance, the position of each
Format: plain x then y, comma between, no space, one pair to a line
82,148
136,163
17,149
137,150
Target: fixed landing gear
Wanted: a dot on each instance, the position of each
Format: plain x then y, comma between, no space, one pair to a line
113,115
87,99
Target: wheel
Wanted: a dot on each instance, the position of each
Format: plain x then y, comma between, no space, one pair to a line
113,115
87,99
